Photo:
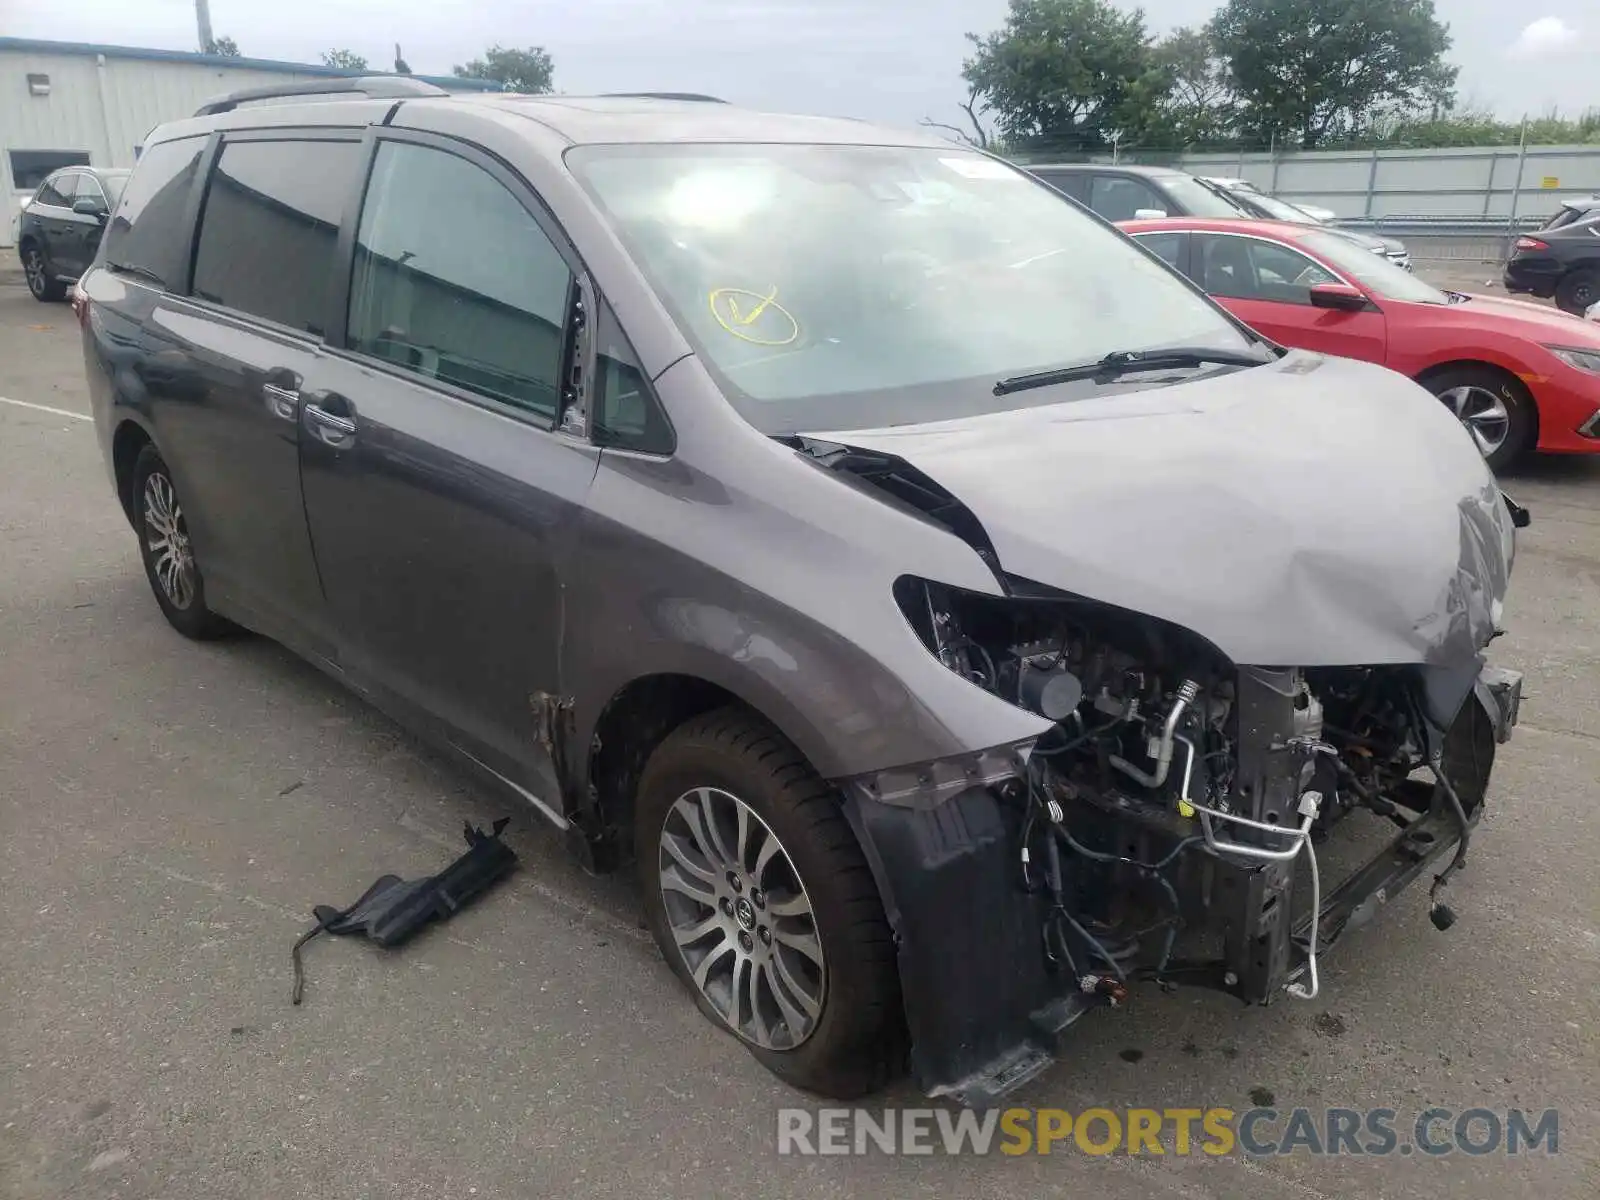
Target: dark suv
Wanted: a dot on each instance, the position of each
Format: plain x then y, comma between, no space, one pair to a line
950,613
1562,259
61,225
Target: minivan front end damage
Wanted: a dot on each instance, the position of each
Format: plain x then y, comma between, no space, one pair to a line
1167,829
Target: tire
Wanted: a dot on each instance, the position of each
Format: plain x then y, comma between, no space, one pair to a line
1475,395
842,1033
174,575
1578,290
44,286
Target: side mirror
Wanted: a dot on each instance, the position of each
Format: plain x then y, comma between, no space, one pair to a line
1338,296
86,206
1149,214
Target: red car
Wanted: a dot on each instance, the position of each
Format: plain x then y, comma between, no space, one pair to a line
1520,376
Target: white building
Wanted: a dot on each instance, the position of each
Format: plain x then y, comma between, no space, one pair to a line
70,103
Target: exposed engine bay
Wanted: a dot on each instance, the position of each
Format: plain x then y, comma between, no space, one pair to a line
1167,827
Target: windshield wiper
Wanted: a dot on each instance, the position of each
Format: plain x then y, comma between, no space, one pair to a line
144,273
1125,362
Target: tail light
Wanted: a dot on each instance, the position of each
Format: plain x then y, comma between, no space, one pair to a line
1528,243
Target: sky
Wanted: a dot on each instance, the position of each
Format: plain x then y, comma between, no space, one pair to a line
893,61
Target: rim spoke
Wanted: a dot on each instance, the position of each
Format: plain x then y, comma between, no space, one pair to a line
793,906
804,943
741,836
737,986
769,850
683,856
717,846
688,935
783,980
696,818
758,1019
702,972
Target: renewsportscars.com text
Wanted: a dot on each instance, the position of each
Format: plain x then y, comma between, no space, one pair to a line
1256,1132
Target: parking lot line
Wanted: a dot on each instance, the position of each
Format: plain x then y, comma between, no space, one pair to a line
45,408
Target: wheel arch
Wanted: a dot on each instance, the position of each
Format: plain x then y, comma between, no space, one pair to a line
127,441
633,722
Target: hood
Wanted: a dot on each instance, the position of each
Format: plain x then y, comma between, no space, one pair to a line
1315,512
1539,322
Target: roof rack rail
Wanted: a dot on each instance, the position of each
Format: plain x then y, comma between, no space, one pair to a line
374,87
665,96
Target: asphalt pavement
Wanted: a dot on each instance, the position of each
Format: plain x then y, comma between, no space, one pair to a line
169,813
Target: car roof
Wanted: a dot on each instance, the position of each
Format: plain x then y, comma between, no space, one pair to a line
581,120
1121,168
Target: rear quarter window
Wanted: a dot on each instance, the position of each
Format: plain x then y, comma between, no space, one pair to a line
147,229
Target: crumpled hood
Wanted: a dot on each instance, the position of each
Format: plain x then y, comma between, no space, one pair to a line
1315,512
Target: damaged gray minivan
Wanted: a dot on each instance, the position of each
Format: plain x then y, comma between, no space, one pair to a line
952,616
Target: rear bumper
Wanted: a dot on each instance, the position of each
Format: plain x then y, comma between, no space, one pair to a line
986,1007
1531,277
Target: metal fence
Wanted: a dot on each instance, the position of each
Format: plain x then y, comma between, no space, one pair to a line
1505,185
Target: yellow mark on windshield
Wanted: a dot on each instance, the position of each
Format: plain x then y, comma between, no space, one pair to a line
764,323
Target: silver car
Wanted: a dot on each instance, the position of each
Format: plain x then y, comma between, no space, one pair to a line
950,615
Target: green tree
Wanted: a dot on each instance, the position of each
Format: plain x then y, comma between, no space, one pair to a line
345,60
1066,74
224,46
1199,106
1313,70
529,70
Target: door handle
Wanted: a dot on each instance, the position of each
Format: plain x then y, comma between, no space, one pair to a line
282,402
329,428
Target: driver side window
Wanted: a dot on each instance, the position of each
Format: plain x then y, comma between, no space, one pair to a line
1251,269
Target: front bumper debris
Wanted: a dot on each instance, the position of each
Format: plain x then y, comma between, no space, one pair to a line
987,1007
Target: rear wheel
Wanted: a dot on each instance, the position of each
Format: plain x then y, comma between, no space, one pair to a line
1495,409
760,898
1578,290
44,285
167,552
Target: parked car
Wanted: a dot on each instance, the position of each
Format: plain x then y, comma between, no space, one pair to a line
1519,376
1130,192
1562,259
59,229
1258,204
934,600
1234,184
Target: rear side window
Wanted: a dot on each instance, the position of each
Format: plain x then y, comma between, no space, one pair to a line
147,230
270,228
1073,183
454,280
1168,246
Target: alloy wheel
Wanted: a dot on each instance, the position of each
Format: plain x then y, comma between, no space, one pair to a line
34,268
741,918
167,539
1483,413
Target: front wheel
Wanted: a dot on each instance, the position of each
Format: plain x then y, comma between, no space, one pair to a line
167,552
1493,408
760,898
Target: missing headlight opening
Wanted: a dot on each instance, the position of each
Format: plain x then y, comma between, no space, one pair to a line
1167,827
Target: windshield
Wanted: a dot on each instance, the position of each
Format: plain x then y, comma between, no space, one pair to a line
1282,210
851,287
1373,271
1199,200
